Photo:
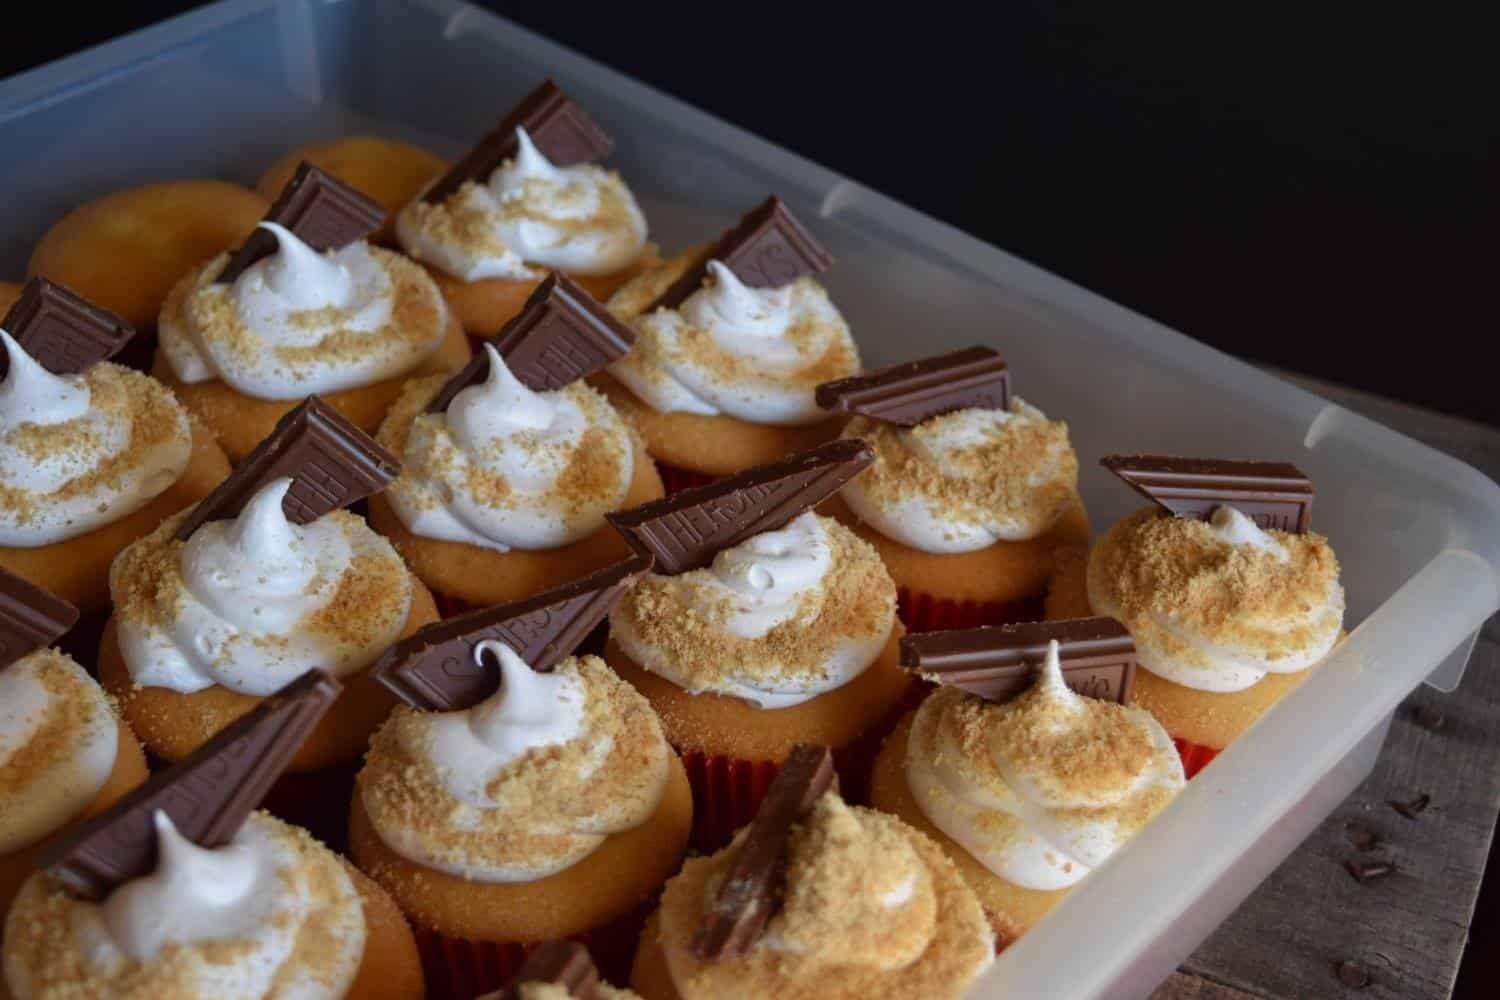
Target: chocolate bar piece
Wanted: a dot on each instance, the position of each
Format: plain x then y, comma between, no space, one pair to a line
207,795
30,618
1272,494
557,963
907,394
998,662
558,127
561,335
437,666
752,886
332,464
685,530
767,248
319,209
64,333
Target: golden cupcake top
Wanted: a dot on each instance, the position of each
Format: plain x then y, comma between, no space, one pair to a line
870,907
524,784
1216,605
778,619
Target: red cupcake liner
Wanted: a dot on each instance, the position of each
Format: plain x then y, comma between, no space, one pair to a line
460,969
1195,756
925,613
675,478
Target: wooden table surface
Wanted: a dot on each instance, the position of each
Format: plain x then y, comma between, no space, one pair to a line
1312,929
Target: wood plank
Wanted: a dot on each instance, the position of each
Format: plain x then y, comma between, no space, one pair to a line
1188,987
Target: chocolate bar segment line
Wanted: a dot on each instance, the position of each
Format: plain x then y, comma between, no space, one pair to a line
556,124
767,248
319,209
207,795
1097,656
685,530
557,963
909,393
561,335
752,886
1274,495
437,667
30,618
63,332
331,462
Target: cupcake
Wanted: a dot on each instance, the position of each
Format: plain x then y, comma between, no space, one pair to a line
971,491
764,625
509,466
1232,602
181,891
388,170
92,455
527,200
526,798
816,899
732,339
304,306
65,754
1026,792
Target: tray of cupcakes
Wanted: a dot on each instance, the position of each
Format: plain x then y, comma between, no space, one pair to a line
587,551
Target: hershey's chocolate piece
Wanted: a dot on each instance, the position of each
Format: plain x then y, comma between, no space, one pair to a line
562,334
65,333
332,464
30,618
438,667
998,662
319,209
558,127
767,248
907,394
685,530
1272,494
207,795
558,963
752,886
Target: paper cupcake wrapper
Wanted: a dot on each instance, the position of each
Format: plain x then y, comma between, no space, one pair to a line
925,613
675,478
459,969
1195,756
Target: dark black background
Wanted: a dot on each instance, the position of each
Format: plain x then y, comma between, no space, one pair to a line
1311,187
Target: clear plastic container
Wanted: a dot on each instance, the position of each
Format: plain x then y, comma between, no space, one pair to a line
223,91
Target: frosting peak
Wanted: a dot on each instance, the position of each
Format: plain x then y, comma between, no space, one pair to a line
532,710
770,574
30,394
297,278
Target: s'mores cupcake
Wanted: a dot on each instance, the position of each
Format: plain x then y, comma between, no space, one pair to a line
92,455
1231,598
971,492
180,891
304,306
763,625
65,754
528,200
732,339
816,899
1026,764
509,466
528,794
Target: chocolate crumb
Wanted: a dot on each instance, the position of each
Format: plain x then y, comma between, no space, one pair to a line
1364,871
1362,838
1428,718
1411,809
1351,974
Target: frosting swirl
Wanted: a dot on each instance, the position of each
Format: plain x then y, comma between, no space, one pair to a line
505,467
299,322
1217,605
253,603
58,741
756,354
965,480
777,620
1044,788
81,451
523,785
272,915
871,908
528,215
